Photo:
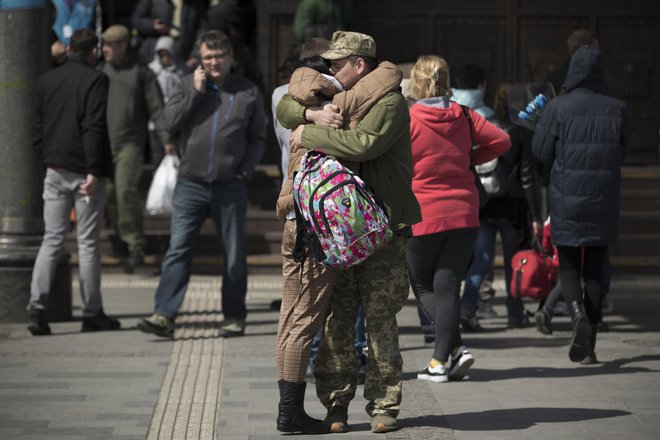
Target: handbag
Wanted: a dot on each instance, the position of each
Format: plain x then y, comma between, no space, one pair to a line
533,273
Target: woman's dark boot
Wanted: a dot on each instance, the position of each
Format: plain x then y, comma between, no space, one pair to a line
581,332
292,416
591,356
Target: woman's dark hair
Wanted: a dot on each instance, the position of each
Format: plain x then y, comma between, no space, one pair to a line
469,76
317,63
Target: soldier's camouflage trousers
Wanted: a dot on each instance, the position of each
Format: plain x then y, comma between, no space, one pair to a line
381,284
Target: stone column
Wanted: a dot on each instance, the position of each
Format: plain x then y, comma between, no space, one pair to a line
24,55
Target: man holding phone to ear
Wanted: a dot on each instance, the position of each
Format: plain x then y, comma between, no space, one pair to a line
220,118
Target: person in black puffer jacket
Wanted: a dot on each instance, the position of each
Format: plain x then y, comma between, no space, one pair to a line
584,136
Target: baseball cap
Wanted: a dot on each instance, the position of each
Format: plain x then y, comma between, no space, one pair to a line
345,44
116,32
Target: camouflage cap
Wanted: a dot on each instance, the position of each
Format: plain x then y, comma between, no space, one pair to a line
116,32
345,44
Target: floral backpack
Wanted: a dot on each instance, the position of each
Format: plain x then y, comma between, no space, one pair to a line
340,220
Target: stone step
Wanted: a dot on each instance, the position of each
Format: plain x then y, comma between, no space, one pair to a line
262,264
636,199
639,222
641,245
636,248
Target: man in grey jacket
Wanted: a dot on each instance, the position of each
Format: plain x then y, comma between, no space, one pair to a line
221,122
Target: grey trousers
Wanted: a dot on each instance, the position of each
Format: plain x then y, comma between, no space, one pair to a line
60,194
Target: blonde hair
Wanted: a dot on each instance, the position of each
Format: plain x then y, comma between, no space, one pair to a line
429,77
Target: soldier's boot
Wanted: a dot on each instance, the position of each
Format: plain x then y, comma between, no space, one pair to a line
292,416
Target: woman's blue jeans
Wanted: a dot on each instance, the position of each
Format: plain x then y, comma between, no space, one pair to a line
483,256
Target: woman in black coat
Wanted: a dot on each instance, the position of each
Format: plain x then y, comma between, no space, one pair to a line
583,135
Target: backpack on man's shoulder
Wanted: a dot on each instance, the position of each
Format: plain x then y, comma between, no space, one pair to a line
340,220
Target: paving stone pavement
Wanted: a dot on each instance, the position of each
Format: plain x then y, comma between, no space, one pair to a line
127,385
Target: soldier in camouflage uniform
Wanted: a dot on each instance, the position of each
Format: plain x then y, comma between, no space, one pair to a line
381,145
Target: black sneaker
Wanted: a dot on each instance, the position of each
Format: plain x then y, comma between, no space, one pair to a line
231,328
157,324
38,323
543,321
429,340
436,374
99,322
460,363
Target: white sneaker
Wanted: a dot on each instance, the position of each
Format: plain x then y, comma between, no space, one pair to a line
434,374
460,363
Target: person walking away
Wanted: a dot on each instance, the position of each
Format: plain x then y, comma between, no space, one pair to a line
220,118
381,145
70,133
584,135
441,246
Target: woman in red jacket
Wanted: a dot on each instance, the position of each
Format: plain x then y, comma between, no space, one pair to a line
441,246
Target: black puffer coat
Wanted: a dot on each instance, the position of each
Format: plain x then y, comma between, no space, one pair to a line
584,135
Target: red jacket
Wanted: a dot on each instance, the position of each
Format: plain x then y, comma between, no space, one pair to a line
442,152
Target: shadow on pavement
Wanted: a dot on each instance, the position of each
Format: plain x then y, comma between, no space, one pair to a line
509,419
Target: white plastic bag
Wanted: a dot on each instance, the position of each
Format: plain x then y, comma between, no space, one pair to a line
159,199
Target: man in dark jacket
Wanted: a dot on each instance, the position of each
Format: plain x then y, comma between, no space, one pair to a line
222,125
70,132
584,136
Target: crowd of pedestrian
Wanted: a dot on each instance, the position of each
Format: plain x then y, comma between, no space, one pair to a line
419,153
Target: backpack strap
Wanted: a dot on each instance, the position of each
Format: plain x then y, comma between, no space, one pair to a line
305,240
299,247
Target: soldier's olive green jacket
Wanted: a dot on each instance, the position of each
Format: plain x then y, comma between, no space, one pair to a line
380,143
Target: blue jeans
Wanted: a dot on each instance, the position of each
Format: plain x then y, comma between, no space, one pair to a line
484,253
192,202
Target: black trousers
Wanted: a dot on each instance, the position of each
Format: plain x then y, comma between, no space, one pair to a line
583,263
437,264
